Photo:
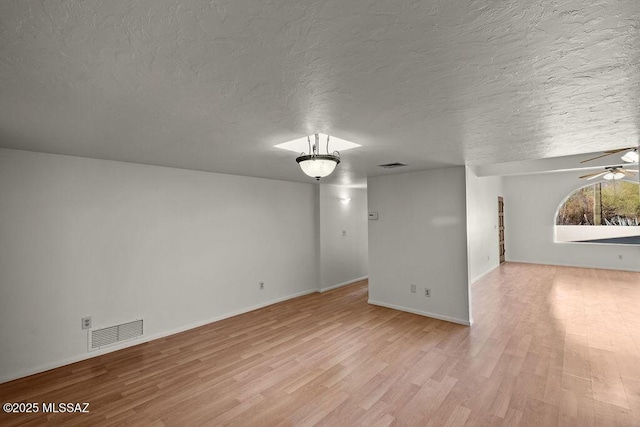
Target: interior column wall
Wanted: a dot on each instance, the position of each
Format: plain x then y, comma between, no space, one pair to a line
420,238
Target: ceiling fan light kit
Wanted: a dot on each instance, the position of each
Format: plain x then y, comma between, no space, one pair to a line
318,165
612,174
631,156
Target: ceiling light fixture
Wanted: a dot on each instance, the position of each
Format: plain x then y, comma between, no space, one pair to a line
318,165
345,200
631,156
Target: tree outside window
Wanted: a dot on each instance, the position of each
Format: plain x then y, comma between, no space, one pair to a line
603,203
605,212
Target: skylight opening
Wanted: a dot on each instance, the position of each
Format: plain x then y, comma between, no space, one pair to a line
300,145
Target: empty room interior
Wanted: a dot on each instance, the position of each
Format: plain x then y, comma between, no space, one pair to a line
381,213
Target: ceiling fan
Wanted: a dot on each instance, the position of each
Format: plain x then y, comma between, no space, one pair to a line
631,155
612,173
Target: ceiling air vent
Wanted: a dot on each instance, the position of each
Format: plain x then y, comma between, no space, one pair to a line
393,165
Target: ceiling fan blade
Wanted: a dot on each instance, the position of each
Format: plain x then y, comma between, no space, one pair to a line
607,153
598,157
619,150
597,176
592,175
629,172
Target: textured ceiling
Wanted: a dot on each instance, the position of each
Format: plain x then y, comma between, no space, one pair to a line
214,85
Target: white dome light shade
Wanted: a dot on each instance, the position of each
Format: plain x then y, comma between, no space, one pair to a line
318,166
631,156
613,175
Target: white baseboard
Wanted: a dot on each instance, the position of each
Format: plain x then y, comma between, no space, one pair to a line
422,313
146,338
484,274
599,267
339,285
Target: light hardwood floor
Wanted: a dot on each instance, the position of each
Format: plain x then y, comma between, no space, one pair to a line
550,346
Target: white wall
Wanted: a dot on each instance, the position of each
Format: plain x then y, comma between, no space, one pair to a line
343,259
482,223
420,237
531,202
118,241
576,233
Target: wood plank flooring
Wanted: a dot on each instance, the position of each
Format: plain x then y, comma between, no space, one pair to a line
550,346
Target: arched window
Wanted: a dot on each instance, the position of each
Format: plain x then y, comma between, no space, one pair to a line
603,212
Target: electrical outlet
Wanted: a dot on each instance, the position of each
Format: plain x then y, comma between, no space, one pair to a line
261,285
344,233
86,322
413,288
620,257
427,292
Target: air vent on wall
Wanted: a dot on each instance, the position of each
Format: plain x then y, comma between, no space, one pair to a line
393,165
114,334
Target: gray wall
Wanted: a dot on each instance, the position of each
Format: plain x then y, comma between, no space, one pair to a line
482,223
119,241
343,259
420,238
